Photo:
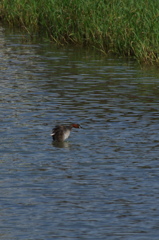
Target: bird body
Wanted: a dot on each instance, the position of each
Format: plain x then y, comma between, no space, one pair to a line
61,132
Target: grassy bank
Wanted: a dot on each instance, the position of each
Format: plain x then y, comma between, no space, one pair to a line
122,27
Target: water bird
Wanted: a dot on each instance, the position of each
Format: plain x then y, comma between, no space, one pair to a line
61,132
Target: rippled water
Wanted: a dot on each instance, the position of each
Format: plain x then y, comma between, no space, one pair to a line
103,182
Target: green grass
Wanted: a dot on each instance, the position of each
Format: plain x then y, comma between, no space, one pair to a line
123,27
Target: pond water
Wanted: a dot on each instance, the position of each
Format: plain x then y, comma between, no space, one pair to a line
103,182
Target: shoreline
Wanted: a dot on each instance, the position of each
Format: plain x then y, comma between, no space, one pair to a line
125,28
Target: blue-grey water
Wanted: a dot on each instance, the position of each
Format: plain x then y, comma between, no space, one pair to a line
103,182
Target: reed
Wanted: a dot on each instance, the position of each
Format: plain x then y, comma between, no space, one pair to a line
125,28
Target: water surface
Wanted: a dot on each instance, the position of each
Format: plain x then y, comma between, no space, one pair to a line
103,182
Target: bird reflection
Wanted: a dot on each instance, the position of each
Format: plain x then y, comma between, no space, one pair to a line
61,144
